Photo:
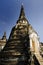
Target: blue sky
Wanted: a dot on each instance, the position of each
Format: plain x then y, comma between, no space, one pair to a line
10,10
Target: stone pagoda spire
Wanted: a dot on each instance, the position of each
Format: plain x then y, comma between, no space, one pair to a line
22,13
22,18
4,36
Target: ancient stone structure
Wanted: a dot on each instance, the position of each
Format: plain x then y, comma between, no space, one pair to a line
22,47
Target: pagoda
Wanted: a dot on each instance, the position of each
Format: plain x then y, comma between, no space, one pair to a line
17,48
22,41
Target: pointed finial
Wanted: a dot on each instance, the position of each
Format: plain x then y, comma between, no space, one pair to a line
4,33
4,36
22,13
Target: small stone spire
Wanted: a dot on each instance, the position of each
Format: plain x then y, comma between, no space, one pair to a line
4,36
22,14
